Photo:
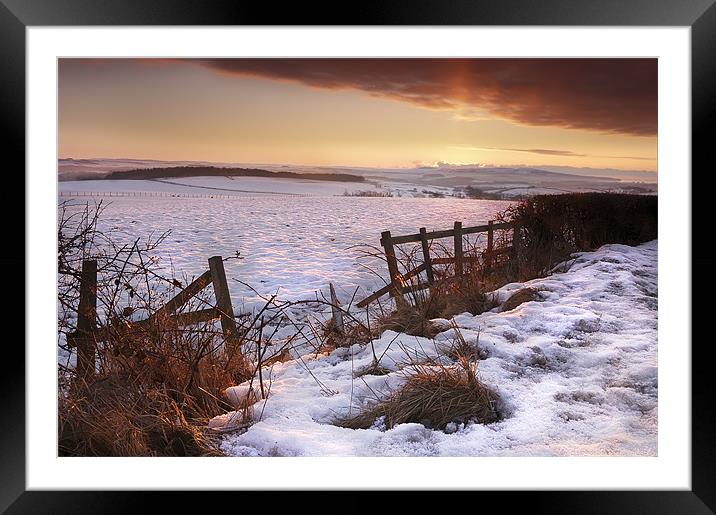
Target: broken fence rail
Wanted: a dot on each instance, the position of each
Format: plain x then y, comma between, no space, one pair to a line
87,335
397,287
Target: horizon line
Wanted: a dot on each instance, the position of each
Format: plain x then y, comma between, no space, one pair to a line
436,165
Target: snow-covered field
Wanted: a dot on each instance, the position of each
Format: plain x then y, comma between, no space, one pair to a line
576,372
407,182
235,186
291,245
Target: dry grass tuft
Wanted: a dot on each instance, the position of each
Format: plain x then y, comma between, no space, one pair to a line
519,297
452,297
444,300
408,319
460,349
117,417
433,395
352,333
374,369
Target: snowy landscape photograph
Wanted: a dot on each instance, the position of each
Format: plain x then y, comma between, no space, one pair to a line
357,257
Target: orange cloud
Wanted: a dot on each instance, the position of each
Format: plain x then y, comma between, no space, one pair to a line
603,95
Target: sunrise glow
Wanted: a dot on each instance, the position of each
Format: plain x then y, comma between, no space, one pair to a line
362,112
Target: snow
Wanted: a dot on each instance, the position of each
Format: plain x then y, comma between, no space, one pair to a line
576,369
240,395
235,186
290,245
404,181
293,245
576,372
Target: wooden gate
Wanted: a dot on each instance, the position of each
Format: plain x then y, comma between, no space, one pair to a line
88,334
399,285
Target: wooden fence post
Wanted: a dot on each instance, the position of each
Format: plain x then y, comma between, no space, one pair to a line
458,248
490,246
426,256
223,299
397,291
86,320
336,309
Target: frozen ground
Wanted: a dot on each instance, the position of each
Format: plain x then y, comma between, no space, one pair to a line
576,371
235,186
291,245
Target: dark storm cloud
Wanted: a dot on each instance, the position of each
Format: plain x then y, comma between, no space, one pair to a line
604,95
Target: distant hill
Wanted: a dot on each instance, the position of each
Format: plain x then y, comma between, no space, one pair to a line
213,171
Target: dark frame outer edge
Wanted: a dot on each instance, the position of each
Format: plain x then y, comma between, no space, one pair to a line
16,15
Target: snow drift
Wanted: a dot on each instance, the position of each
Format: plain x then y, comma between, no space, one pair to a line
575,369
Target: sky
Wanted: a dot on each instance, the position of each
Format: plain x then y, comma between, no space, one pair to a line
390,113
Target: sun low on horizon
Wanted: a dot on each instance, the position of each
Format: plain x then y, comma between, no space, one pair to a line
391,113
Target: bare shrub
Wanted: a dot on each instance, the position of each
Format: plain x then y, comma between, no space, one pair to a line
554,226
156,382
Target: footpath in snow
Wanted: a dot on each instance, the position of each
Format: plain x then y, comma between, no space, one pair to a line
575,370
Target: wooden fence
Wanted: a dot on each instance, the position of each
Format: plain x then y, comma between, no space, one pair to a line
85,338
398,285
88,334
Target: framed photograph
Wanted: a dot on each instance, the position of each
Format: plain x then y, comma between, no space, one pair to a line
413,250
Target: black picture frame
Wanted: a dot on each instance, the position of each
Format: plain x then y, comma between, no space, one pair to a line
699,15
